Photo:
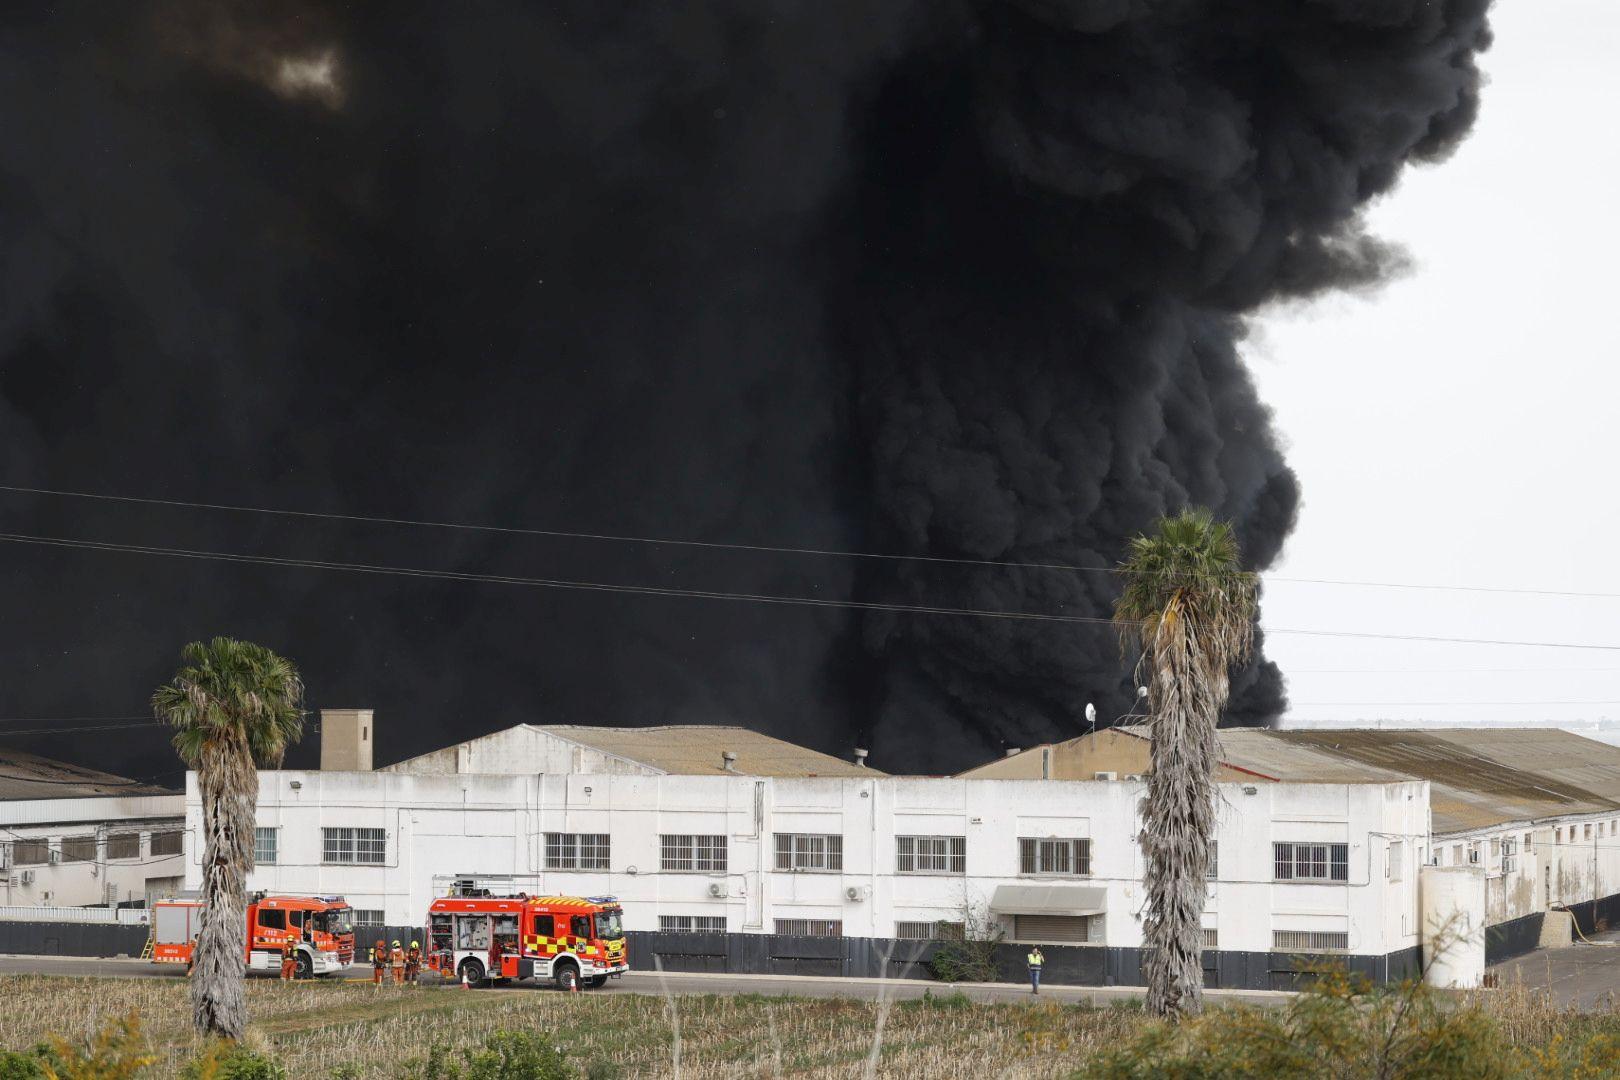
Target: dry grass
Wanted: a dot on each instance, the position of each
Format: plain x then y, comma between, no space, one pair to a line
313,1028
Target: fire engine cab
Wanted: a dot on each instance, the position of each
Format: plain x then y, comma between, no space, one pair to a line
571,940
322,925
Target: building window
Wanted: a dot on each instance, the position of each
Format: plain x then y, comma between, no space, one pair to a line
1070,857
1588,834
124,845
809,851
30,852
1212,938
692,924
1473,854
264,847
1213,871
578,851
706,854
1527,843
1311,862
936,930
1396,869
930,854
168,843
367,917
1510,849
810,927
354,847
78,849
1310,941
1059,929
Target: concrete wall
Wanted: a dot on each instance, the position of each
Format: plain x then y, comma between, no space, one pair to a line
521,750
62,883
442,825
1109,750
1567,861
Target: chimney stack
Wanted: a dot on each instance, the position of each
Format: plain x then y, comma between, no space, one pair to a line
728,760
346,739
860,757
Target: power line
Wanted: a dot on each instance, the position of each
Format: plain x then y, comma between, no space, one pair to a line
1446,671
1469,704
77,730
709,594
760,548
71,719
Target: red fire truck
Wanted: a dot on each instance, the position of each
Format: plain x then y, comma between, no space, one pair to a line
323,926
571,940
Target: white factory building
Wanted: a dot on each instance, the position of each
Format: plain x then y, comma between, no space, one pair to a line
722,831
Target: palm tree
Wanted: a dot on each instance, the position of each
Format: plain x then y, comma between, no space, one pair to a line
1189,608
233,703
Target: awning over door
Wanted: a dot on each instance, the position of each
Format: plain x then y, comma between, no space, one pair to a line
1049,900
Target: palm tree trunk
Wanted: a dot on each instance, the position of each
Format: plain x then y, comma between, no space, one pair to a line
229,786
1179,818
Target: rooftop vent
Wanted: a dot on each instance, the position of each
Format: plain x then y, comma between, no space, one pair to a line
728,760
860,757
1013,751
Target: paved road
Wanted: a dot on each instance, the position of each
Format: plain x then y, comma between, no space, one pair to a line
647,982
1586,976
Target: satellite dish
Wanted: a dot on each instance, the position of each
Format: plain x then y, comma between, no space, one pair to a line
1141,691
1091,714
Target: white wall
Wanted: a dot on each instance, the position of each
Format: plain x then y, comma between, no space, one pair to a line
440,825
58,883
1568,860
519,750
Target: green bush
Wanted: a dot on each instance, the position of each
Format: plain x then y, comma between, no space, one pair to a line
506,1055
225,1060
16,1065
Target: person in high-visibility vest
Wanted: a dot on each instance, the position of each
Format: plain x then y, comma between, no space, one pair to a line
1035,959
413,963
396,957
289,958
379,960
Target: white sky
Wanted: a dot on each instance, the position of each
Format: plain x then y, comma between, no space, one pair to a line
1460,426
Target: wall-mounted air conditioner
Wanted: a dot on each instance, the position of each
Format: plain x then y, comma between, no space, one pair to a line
717,889
1107,776
856,893
27,877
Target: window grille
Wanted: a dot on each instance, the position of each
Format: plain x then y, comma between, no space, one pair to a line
1059,929
1310,862
931,854
168,843
78,849
124,845
30,852
578,851
1212,938
931,930
354,847
704,854
264,847
810,927
367,917
809,851
1068,857
1213,871
692,924
1310,941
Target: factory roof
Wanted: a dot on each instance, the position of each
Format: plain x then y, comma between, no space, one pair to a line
698,749
29,776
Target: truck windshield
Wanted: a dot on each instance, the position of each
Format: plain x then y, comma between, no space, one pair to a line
337,921
609,926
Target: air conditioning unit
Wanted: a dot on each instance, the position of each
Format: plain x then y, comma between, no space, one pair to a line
856,893
1133,776
1108,776
27,877
1473,855
717,889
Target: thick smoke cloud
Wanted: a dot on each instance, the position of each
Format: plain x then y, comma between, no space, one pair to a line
957,280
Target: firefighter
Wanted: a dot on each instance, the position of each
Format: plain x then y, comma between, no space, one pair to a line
191,957
396,957
379,960
413,963
289,958
1035,959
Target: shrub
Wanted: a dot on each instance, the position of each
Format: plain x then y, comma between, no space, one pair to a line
506,1055
226,1060
117,1052
20,1066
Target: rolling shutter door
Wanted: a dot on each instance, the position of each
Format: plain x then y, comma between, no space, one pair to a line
1052,928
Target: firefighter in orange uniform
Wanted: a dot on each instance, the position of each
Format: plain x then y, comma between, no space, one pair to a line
289,958
379,960
413,963
396,957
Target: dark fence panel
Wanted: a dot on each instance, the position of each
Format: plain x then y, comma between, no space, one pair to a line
71,939
1513,938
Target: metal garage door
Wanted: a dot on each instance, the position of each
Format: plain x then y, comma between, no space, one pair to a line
1052,928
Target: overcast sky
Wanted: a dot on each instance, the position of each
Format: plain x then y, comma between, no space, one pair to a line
1459,427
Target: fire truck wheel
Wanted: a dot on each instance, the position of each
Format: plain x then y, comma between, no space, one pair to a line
471,972
567,975
596,982
305,968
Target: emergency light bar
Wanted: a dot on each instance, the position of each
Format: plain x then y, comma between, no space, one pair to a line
603,899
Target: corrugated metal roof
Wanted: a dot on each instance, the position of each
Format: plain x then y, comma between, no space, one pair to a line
1478,777
696,749
29,776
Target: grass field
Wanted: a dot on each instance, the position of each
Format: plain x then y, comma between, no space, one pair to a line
313,1028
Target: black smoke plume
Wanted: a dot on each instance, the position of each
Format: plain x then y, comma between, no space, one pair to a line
964,280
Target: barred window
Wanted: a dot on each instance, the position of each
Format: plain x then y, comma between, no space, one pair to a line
78,849
1510,851
168,843
810,927
578,851
30,852
124,845
1212,938
936,930
930,854
1068,857
1310,941
705,854
1213,870
354,847
368,916
692,924
1311,862
809,851
264,847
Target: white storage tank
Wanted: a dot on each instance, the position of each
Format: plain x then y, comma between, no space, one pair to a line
1451,914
